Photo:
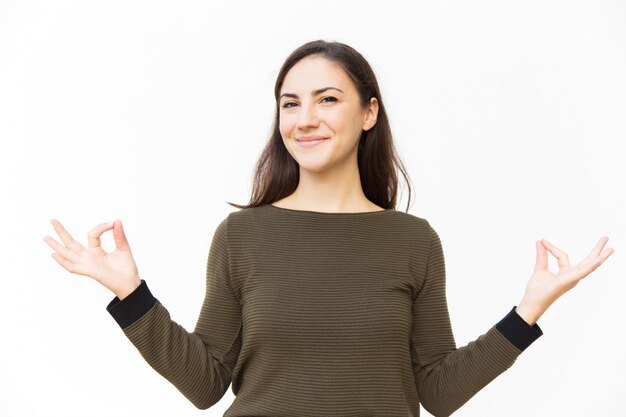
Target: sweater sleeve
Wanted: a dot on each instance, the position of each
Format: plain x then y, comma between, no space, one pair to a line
199,364
447,376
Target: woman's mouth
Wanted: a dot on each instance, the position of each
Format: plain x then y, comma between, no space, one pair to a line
310,141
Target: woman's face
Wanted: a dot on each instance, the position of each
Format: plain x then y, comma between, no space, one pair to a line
317,98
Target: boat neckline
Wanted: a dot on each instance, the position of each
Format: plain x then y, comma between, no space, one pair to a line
325,213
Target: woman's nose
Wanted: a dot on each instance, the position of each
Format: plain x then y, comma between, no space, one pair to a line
308,116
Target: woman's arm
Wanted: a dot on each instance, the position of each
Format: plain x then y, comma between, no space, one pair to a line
199,364
447,376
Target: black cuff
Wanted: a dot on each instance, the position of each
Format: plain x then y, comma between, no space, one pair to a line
519,333
133,306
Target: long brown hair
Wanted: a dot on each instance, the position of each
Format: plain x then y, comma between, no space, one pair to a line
276,173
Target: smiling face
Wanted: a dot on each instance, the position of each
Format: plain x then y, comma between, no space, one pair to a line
317,98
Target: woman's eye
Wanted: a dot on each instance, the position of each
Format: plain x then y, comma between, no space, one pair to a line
287,105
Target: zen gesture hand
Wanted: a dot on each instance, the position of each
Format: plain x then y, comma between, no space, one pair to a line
544,287
116,271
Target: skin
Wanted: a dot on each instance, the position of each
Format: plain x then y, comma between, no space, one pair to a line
329,182
545,287
116,270
329,172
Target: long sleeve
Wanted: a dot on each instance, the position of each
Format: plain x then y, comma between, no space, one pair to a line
199,364
446,376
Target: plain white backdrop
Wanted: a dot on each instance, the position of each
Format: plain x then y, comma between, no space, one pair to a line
509,116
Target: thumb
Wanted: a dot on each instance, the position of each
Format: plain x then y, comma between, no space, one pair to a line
541,263
121,243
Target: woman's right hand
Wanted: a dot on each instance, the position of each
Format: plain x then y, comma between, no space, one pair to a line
116,271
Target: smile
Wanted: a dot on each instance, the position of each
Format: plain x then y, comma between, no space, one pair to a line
310,143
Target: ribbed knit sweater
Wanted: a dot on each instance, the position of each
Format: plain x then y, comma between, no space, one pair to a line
322,314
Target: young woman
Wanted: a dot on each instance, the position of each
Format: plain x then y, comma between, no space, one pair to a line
321,298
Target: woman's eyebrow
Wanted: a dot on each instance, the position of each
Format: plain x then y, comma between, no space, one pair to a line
313,93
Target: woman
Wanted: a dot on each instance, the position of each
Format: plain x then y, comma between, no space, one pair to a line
321,298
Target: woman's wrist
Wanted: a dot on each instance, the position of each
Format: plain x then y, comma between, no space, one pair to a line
124,292
529,313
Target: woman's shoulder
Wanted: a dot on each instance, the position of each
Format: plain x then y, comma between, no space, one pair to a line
411,218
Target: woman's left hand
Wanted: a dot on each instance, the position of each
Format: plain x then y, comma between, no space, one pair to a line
544,287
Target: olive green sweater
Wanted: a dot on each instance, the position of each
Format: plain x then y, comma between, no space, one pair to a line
322,314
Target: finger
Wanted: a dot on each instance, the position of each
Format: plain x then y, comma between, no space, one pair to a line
121,243
595,258
541,262
598,248
607,252
62,250
594,263
67,239
63,262
93,237
558,253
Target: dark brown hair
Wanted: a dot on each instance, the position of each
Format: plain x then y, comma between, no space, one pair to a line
276,174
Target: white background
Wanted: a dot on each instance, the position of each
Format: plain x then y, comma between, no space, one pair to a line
509,116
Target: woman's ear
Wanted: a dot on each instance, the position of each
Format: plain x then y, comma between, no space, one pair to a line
371,114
